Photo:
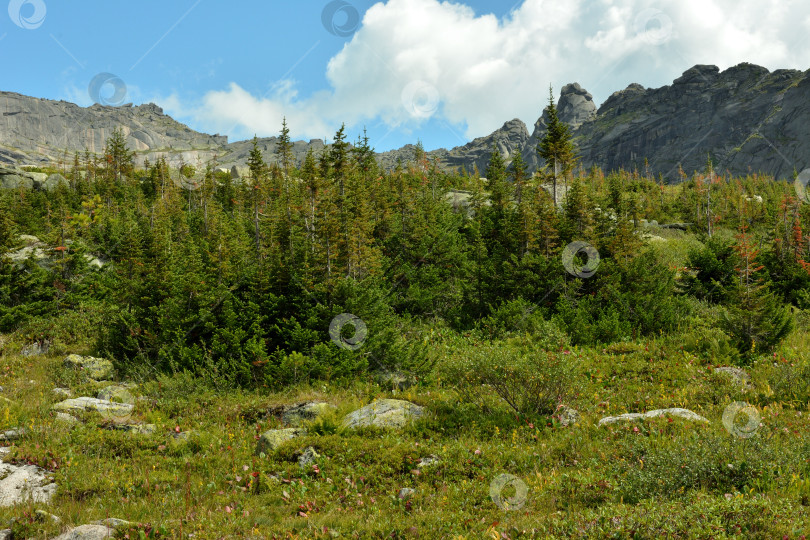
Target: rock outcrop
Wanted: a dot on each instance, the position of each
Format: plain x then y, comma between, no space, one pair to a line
747,118
384,413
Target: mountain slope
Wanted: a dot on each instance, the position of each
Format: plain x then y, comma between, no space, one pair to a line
746,118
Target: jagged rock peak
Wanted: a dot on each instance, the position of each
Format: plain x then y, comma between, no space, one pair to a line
576,105
700,73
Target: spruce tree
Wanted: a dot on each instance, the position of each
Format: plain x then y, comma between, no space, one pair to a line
556,147
755,318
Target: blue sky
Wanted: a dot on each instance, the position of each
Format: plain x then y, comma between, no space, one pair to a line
440,72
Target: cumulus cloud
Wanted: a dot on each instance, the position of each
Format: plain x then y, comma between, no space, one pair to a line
412,60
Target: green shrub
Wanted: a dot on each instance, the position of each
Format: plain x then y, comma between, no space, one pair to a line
530,381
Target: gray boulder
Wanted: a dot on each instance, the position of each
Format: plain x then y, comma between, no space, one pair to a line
95,368
54,181
87,532
686,414
270,440
22,483
385,413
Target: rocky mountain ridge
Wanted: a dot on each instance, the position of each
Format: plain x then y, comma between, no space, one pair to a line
746,118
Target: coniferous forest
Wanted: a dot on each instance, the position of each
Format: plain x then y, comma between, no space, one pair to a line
520,329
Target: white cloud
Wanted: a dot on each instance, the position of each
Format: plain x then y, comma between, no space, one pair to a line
413,59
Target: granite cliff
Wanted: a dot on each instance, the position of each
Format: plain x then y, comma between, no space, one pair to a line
746,118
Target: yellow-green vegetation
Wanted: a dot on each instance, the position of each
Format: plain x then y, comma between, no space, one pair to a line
647,479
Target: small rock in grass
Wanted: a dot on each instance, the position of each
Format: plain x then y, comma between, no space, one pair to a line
406,493
686,414
63,392
42,515
113,523
308,457
567,416
87,532
427,461
272,439
12,434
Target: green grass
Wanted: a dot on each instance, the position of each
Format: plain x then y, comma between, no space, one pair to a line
663,478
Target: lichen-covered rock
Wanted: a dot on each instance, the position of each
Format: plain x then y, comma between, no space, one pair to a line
386,413
116,393
67,419
21,483
272,439
82,404
12,434
308,457
303,412
87,532
686,414
63,392
96,368
113,523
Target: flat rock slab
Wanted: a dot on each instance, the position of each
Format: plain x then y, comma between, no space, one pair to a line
98,369
106,408
386,413
686,414
272,439
87,532
23,483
